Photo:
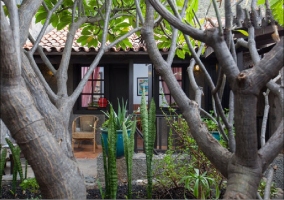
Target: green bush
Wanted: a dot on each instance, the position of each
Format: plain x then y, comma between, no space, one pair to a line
30,184
196,174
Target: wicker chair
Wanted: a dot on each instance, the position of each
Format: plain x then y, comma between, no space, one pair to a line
84,128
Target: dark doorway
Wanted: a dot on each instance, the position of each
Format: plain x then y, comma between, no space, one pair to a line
118,84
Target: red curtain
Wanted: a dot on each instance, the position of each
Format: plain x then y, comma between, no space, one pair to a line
86,99
177,71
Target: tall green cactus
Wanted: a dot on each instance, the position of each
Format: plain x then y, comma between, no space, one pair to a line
112,154
17,164
149,133
107,189
2,164
109,156
128,145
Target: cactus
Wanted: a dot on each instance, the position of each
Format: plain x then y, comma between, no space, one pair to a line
26,169
17,164
109,157
128,152
107,189
149,132
2,164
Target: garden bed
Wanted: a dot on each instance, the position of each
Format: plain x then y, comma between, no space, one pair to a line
139,192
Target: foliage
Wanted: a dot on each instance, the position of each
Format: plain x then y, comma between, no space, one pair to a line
122,19
277,9
110,158
148,120
211,125
17,164
30,184
261,189
198,183
120,117
109,154
176,172
2,164
128,151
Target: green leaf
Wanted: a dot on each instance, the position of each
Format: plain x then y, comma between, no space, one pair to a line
180,53
260,2
195,191
40,17
123,24
62,25
127,43
87,30
82,39
94,42
245,33
54,20
277,11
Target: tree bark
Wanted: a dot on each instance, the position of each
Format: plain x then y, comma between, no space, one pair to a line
54,120
57,175
245,166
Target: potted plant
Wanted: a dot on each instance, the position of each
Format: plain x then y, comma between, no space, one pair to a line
212,127
93,105
119,118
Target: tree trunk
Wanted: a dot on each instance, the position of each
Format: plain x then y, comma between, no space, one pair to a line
242,181
58,176
54,120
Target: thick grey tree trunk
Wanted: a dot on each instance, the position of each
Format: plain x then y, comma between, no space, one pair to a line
56,172
244,166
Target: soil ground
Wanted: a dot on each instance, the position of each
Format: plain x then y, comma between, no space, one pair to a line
138,192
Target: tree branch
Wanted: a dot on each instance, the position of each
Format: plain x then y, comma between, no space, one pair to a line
272,147
43,29
174,21
241,43
43,56
8,49
53,97
218,17
191,109
252,45
61,74
231,137
172,50
269,66
139,12
268,183
265,118
27,11
14,23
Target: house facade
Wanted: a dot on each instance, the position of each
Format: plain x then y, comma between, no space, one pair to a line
123,73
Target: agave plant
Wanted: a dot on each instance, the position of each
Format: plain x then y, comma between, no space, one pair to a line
120,117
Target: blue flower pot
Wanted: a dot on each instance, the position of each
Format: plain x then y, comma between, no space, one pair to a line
119,142
216,135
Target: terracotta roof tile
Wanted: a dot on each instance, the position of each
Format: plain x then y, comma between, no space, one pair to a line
54,41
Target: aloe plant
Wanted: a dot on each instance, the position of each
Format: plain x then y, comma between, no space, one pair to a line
149,131
128,151
120,117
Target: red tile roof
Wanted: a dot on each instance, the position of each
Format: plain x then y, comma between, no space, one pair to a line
55,40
